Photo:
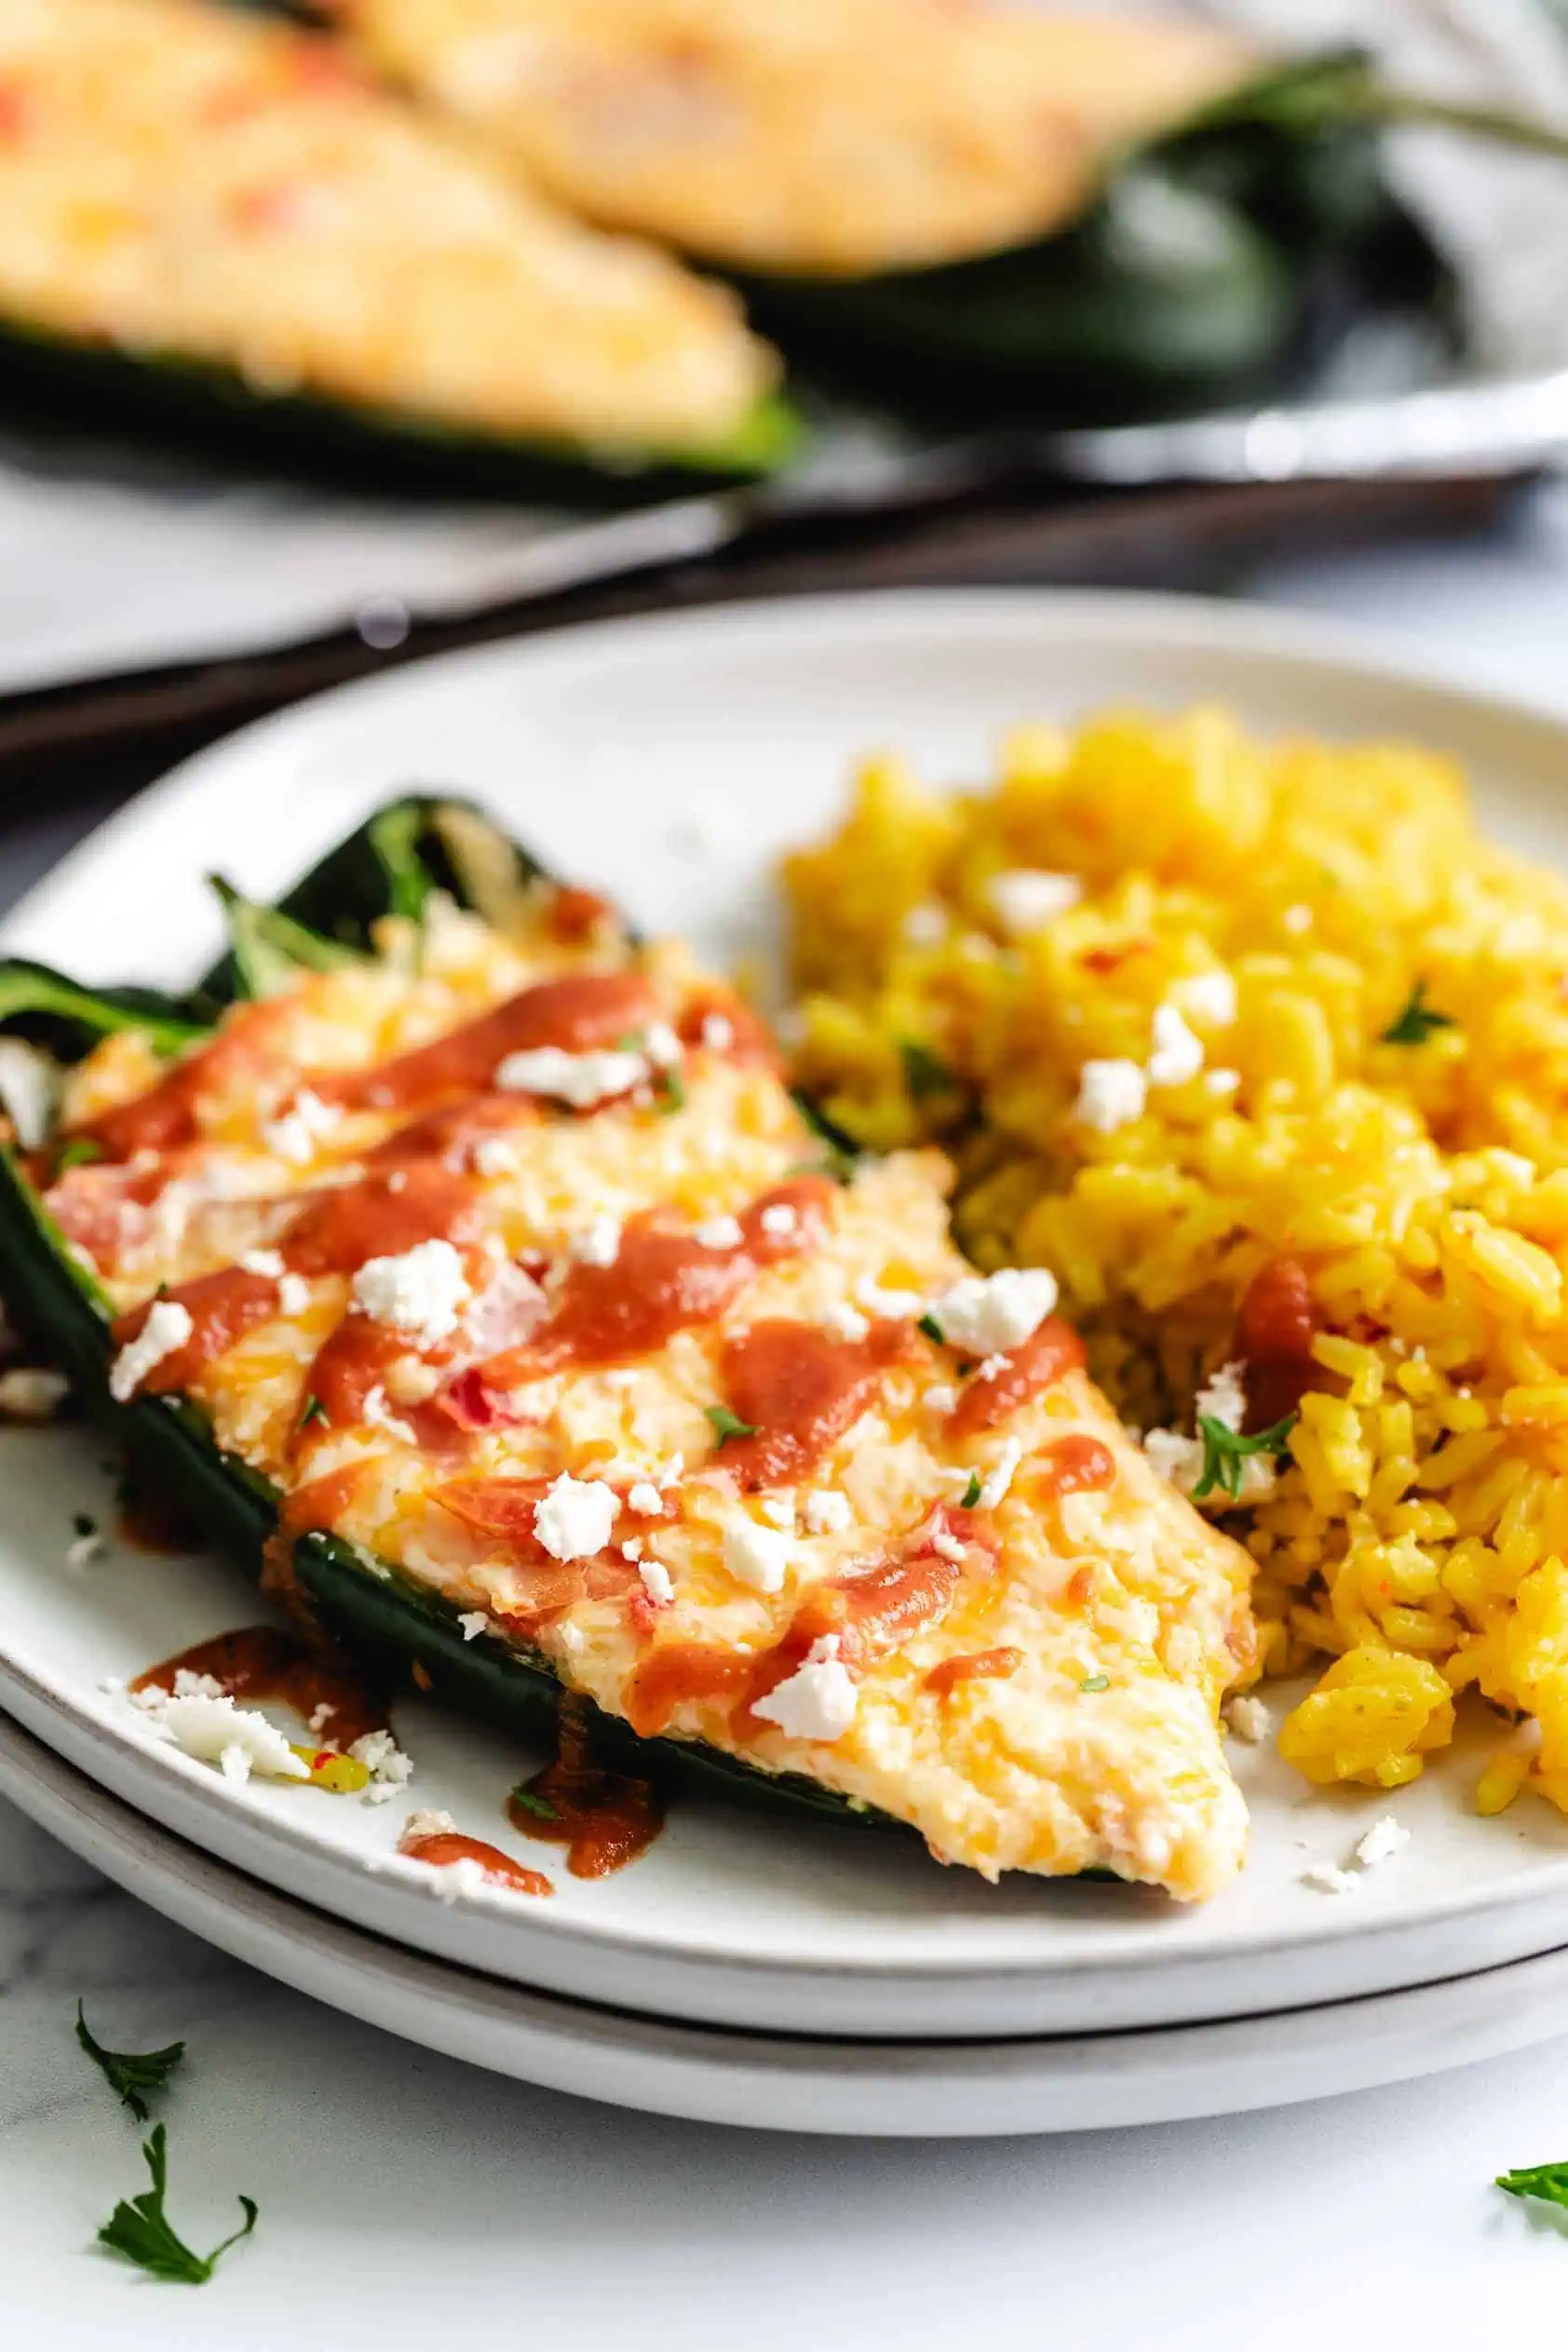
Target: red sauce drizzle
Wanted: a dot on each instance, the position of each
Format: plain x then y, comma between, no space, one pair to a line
751,1042
319,1503
660,1283
679,1673
800,1389
580,1013
379,1217
223,1307
149,1522
973,1666
603,1819
102,1207
1075,1464
260,1662
1041,1361
575,913
168,1114
448,1135
443,1848
1275,1325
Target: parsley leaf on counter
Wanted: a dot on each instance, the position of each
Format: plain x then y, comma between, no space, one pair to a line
728,1424
1547,2181
1416,1021
140,2230
1225,1451
130,2073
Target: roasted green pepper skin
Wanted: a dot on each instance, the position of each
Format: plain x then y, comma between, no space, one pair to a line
189,403
398,855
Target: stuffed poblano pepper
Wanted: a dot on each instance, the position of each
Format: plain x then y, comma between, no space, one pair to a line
992,205
476,1269
213,221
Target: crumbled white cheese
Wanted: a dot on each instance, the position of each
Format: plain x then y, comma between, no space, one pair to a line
938,1402
657,1581
599,1243
632,1549
1382,1842
1110,1094
827,1513
990,1312
891,1306
845,1322
28,1091
570,1636
296,1133
948,1546
205,1722
669,1470
779,1510
1178,1054
991,1367
1224,1396
581,1079
293,1295
817,1700
378,1414
779,1220
471,1623
1328,1879
1178,1460
1221,1081
450,1882
427,1821
757,1555
927,926
495,1156
624,1376
268,1264
421,1292
718,1035
1209,997
168,1327
28,1392
1026,899
997,1480
574,1517
1248,1718
645,1500
389,1769
719,1233
661,1046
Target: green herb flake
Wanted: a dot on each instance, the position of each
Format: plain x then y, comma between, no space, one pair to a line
1095,1683
1416,1022
926,1073
673,1092
1225,1450
78,1151
314,1410
932,1329
142,2231
972,1491
528,1801
728,1425
129,2073
1549,2181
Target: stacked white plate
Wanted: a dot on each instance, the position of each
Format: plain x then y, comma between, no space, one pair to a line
753,1968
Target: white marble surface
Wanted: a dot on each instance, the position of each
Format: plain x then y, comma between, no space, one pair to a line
407,2201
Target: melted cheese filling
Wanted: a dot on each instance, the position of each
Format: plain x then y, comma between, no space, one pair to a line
1122,1614
183,179
832,136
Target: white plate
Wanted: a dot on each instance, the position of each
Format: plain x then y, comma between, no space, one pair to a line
926,2090
599,746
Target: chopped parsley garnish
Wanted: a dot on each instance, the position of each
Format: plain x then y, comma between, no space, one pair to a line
728,1424
314,1410
673,1092
1549,2181
1417,1020
531,1803
1095,1683
972,1491
932,1329
80,1151
840,1157
142,2231
129,2073
1226,1451
924,1072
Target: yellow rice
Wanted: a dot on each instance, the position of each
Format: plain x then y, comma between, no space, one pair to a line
1418,1532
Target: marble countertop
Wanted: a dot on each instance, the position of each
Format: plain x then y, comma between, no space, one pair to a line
408,2201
